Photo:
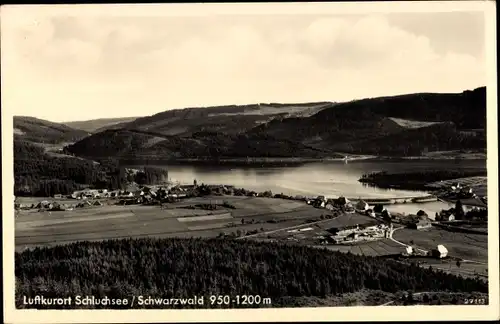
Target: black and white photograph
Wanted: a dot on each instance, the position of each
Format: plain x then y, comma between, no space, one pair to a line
315,161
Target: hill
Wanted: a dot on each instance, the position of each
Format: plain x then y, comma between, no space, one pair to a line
142,145
230,119
183,268
99,125
43,131
366,118
404,125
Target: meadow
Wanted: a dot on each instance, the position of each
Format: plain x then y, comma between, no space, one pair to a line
174,220
466,246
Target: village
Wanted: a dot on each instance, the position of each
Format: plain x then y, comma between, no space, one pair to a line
341,224
170,193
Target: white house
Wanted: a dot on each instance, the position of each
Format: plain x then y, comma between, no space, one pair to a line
440,252
409,250
449,217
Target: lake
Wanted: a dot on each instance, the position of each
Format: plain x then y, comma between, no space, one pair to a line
330,179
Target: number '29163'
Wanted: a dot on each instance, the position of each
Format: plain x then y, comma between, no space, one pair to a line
475,301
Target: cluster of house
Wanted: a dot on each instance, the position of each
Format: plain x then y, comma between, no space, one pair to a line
358,233
331,204
420,221
146,192
344,204
56,206
457,191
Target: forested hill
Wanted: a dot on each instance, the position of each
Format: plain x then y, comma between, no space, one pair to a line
37,173
183,268
404,125
132,144
467,110
366,119
43,131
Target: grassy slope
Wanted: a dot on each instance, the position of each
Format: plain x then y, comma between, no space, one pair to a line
99,125
228,119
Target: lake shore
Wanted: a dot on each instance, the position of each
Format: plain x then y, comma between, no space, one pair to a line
442,156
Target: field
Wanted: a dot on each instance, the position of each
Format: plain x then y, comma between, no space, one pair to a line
406,123
348,220
112,221
382,247
466,269
466,246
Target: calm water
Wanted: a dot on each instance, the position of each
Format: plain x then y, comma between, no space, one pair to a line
331,179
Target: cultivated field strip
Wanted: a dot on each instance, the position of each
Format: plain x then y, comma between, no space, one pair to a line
207,226
140,221
367,250
376,249
52,222
35,240
347,220
204,218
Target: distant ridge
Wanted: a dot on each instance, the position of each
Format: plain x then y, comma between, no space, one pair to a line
98,125
403,125
37,130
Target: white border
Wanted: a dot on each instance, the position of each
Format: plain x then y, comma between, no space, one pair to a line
414,313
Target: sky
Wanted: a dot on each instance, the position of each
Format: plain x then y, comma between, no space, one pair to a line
67,66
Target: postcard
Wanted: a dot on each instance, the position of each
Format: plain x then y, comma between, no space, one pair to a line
250,162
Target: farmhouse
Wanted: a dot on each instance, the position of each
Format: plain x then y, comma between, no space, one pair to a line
420,224
378,208
352,236
370,213
422,213
319,202
321,198
408,251
345,230
364,231
362,205
126,194
386,215
342,202
55,206
26,206
43,204
449,217
446,215
439,252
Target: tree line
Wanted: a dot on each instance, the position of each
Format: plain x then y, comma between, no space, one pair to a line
416,180
186,267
